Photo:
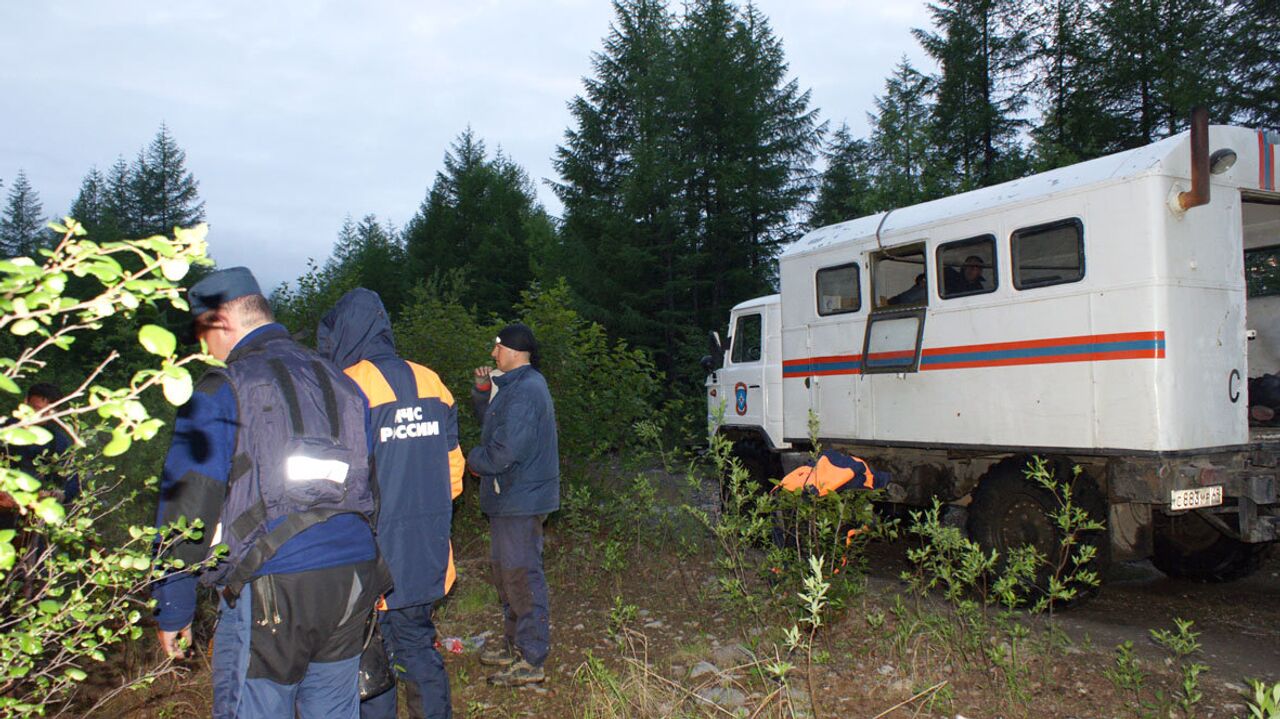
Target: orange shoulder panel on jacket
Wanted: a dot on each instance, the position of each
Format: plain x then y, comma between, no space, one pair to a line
451,572
429,384
372,383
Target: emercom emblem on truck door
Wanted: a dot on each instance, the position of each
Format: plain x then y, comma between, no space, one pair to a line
740,398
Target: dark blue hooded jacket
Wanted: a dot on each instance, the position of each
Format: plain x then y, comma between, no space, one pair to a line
416,457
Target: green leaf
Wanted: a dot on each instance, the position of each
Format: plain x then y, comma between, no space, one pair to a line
50,511
49,606
177,389
25,327
174,269
119,444
157,340
8,385
75,674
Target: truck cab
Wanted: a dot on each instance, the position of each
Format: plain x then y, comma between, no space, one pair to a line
745,391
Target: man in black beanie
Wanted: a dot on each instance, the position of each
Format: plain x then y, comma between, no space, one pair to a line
518,462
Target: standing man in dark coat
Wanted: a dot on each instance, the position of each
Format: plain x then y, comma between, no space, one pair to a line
518,462
414,428
271,453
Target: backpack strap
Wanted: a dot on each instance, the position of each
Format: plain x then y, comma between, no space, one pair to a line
268,544
285,382
330,399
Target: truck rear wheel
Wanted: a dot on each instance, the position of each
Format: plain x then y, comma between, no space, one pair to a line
1188,546
1010,511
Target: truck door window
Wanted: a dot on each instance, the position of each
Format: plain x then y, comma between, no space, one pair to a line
967,267
899,277
839,289
1048,254
747,339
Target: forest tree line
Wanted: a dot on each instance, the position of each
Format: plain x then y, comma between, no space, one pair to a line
693,156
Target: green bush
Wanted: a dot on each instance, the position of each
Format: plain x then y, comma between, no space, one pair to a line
600,388
69,595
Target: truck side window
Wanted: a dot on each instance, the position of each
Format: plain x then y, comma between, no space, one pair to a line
1048,254
967,267
1262,271
899,277
747,339
839,289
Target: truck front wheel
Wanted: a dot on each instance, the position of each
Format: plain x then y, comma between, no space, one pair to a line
1188,546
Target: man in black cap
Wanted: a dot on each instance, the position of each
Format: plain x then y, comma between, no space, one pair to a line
271,453
518,462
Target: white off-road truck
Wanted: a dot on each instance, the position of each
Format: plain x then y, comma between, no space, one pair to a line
1108,315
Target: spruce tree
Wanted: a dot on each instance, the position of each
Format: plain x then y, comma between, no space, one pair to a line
1073,124
1255,62
165,192
1159,59
90,204
480,215
120,210
900,139
847,189
621,245
749,137
22,227
981,47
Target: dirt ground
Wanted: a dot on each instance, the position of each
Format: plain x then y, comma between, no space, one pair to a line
678,622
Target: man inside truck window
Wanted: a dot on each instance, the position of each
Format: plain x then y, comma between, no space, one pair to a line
913,295
968,279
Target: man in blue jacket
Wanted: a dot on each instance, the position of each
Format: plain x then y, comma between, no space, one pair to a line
518,461
414,428
271,453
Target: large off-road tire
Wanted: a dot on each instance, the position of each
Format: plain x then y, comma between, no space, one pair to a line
1188,546
762,467
1009,511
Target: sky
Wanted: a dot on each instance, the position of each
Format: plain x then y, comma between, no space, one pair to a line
297,113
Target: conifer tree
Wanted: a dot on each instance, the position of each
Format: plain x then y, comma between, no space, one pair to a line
981,47
749,137
90,204
165,192
1074,124
900,138
120,207
22,230
1255,62
480,214
621,245
847,189
1159,59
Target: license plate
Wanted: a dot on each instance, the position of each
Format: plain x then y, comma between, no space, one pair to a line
1196,498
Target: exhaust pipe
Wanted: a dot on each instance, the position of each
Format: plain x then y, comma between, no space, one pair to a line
1199,193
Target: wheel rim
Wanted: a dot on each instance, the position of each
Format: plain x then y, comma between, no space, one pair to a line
1024,522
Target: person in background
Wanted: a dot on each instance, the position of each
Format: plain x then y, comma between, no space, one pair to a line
518,462
968,279
271,453
915,294
24,457
419,472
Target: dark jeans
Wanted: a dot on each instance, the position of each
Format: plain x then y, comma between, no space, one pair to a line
410,637
515,557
